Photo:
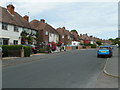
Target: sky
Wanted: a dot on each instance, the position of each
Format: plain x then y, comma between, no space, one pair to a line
99,19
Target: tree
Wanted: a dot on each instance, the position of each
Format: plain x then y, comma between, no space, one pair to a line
74,31
99,42
115,41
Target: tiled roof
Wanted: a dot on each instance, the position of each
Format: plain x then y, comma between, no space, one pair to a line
62,31
15,19
42,26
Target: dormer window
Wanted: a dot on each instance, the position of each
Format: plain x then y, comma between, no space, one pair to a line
16,29
4,26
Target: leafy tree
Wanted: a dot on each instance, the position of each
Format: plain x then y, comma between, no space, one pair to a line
74,31
116,41
99,42
30,39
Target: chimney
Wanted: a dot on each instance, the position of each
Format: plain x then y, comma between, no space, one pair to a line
11,8
42,20
63,27
26,18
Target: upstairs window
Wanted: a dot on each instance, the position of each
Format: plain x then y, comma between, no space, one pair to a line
46,33
15,42
16,29
4,26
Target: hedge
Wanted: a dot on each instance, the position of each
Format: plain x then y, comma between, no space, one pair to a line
6,48
92,45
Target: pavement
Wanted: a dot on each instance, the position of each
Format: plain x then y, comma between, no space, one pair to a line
111,66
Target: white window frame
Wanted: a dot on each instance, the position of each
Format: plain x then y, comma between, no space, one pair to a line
46,33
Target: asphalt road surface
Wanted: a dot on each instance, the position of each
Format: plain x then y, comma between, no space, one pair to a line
76,69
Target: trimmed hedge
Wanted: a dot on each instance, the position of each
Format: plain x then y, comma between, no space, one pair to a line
92,45
27,51
7,48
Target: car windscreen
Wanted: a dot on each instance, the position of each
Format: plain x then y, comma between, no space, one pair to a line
103,47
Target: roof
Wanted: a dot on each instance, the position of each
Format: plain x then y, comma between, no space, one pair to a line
62,31
106,46
15,19
42,26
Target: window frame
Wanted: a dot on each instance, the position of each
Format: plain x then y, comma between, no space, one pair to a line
4,26
16,29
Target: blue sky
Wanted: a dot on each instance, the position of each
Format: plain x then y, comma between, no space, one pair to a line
99,19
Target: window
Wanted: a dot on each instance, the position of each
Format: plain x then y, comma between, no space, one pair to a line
46,33
16,29
4,26
15,42
5,41
33,32
62,36
68,37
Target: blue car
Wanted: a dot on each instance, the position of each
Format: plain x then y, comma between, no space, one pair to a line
104,51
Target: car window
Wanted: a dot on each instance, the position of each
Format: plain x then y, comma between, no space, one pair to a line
103,47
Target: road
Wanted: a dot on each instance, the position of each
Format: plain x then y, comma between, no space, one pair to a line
76,69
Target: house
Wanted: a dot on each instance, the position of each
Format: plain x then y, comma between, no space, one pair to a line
46,33
75,43
65,36
12,25
75,36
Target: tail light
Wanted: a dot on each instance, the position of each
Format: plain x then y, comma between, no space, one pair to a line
33,48
109,48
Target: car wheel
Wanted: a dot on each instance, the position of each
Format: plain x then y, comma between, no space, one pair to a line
98,56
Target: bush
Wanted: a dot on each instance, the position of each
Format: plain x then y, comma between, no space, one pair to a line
93,46
27,51
43,50
84,46
6,49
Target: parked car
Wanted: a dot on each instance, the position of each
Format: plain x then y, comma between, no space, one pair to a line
104,51
33,47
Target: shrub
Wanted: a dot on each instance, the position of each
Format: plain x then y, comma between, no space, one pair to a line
43,50
27,51
93,46
84,46
6,49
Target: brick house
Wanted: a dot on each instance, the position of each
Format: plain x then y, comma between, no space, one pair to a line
46,33
65,36
12,25
75,36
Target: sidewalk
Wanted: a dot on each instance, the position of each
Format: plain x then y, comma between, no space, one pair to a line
109,79
111,67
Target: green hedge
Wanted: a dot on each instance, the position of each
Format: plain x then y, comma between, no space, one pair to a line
27,51
6,48
92,45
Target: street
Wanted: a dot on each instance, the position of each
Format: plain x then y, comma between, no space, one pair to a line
76,69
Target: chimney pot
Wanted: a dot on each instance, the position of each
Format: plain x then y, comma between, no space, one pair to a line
11,8
42,20
26,18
